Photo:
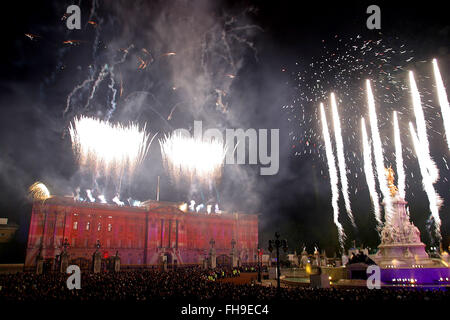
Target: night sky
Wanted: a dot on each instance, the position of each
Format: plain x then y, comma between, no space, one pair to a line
237,65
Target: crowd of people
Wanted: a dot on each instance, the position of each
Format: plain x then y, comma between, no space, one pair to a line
186,284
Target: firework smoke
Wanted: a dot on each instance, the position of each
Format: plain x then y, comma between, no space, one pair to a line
192,159
102,74
39,191
427,181
105,148
443,100
333,176
341,157
399,158
368,170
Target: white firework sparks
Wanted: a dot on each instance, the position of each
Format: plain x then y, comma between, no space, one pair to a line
399,158
378,151
111,149
333,176
434,200
117,201
341,157
443,100
422,129
89,195
370,178
192,158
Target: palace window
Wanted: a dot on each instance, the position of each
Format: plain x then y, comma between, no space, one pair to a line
99,227
88,226
109,226
75,225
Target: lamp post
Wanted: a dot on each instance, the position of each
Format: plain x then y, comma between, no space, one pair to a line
277,243
65,245
98,245
259,264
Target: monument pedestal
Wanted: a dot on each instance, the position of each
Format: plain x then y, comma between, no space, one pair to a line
401,246
398,255
445,257
401,255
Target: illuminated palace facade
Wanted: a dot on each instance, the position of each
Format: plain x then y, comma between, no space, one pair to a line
140,235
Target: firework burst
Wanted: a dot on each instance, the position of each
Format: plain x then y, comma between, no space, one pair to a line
192,159
109,149
39,191
342,66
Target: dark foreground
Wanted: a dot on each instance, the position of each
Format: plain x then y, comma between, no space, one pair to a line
173,290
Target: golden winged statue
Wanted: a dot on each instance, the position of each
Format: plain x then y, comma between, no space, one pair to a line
390,178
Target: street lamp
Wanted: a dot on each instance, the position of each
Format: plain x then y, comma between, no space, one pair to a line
98,245
65,245
277,243
259,264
